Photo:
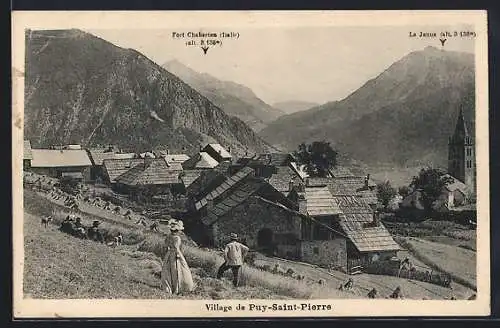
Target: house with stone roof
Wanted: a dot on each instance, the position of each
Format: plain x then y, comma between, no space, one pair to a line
266,221
61,163
342,211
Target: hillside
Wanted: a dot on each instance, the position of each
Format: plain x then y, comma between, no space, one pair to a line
235,99
294,106
82,89
403,117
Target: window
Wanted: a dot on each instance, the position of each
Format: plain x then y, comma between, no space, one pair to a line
316,250
469,151
469,164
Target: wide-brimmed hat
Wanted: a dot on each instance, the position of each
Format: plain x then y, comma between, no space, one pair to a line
233,236
176,224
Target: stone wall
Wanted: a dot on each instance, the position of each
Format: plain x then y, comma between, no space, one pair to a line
250,217
326,253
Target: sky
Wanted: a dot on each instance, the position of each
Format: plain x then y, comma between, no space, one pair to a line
316,64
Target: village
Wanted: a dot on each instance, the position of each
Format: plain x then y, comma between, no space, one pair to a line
279,210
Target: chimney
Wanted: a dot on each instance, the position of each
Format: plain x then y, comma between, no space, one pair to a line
290,185
376,218
201,149
307,182
229,149
367,179
302,204
167,151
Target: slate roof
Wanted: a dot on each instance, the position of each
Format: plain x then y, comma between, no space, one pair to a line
189,176
238,196
175,158
456,185
356,215
27,150
97,156
319,201
200,161
217,148
59,158
116,167
227,184
153,172
281,179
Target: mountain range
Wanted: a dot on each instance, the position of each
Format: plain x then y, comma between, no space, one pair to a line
293,106
235,99
401,118
82,89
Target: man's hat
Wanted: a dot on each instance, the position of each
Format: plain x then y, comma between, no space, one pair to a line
96,223
233,236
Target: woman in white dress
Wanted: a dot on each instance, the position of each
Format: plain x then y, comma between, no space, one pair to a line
175,275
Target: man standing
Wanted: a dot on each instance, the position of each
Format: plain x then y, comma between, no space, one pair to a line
234,254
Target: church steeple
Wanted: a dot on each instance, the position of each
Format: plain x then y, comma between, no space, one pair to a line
461,157
461,130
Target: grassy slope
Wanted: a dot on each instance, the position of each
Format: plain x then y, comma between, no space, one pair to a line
460,263
363,283
133,265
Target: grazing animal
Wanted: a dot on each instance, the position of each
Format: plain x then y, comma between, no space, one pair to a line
372,293
396,293
321,282
349,284
45,221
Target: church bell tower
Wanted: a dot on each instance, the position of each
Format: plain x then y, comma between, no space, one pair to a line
461,153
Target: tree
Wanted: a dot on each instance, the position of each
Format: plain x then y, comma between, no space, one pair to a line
404,191
317,157
430,182
385,193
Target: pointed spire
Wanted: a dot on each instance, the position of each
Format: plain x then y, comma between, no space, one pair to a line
461,130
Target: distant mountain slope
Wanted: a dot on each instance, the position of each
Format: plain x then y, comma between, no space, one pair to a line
293,106
82,89
235,99
402,117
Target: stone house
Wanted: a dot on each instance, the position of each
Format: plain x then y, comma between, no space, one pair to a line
452,195
97,157
338,210
62,163
266,222
152,176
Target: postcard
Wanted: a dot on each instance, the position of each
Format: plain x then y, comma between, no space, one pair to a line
176,164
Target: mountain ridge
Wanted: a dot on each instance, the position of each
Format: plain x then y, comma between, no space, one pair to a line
378,123
80,88
293,106
234,98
